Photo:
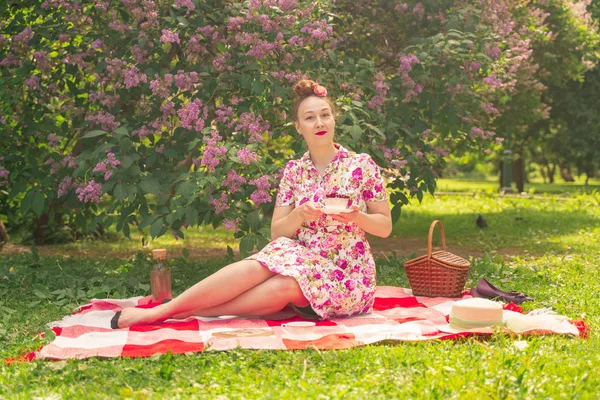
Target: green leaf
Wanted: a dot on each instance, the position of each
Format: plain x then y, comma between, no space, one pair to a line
27,200
396,210
247,245
258,87
356,132
94,134
191,216
126,161
122,131
120,192
38,202
186,252
41,291
332,55
150,185
148,220
254,218
156,227
126,230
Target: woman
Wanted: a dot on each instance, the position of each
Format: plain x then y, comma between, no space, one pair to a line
315,260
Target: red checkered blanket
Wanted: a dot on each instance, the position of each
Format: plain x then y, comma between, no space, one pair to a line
397,315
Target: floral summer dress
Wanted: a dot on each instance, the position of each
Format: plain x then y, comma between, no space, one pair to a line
331,261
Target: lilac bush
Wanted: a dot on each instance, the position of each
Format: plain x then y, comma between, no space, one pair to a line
161,115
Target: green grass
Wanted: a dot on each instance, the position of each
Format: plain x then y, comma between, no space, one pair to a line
536,187
558,249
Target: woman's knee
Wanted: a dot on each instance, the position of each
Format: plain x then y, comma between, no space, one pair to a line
288,287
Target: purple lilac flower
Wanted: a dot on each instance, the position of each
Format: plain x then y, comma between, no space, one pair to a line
169,36
220,204
33,82
53,140
261,183
260,196
106,120
4,173
233,181
91,192
489,108
247,156
64,186
134,77
186,3
231,224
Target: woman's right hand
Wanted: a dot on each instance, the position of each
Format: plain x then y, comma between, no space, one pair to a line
310,211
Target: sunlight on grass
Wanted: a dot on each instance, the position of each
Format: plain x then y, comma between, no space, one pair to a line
535,187
512,222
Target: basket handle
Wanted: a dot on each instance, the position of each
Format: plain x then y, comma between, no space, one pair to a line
429,245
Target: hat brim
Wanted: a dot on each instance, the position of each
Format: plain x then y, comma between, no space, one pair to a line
446,328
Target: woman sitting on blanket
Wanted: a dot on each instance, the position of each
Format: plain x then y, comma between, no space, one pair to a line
316,260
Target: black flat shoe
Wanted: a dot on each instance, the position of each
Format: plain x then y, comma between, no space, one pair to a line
114,322
487,290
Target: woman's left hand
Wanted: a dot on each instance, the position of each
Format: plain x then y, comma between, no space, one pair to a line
347,217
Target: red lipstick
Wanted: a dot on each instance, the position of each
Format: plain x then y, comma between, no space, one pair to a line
321,133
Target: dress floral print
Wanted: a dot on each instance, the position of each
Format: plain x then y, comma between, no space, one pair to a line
331,261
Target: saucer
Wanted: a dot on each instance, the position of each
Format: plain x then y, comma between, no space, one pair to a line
335,210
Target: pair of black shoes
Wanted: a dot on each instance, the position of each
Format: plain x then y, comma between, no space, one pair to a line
486,290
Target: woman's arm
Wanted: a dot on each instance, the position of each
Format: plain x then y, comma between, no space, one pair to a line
377,222
287,219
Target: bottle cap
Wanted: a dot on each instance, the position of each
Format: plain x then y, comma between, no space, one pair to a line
159,254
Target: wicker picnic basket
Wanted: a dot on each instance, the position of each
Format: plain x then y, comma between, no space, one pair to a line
437,274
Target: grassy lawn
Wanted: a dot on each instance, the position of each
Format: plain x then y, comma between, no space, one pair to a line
558,246
536,186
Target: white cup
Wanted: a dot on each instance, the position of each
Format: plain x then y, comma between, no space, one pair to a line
336,203
298,327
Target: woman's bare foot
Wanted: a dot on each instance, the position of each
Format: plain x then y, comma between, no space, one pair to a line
134,316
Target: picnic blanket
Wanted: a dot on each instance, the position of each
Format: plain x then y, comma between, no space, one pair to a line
397,315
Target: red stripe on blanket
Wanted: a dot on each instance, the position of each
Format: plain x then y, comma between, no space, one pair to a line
191,325
74,331
175,346
394,302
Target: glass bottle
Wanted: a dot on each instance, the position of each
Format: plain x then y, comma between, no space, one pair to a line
160,276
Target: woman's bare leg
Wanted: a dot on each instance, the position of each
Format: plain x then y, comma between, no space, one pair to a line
266,298
220,287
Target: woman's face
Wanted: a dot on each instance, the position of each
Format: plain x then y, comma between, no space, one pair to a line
315,121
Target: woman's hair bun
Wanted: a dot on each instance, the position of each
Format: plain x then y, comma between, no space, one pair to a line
304,87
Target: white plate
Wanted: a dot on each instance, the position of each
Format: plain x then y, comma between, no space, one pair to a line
331,210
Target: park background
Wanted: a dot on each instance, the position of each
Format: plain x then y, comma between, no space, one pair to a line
131,125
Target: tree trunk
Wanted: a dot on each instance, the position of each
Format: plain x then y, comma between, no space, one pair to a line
566,174
4,238
518,167
41,224
551,172
543,173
